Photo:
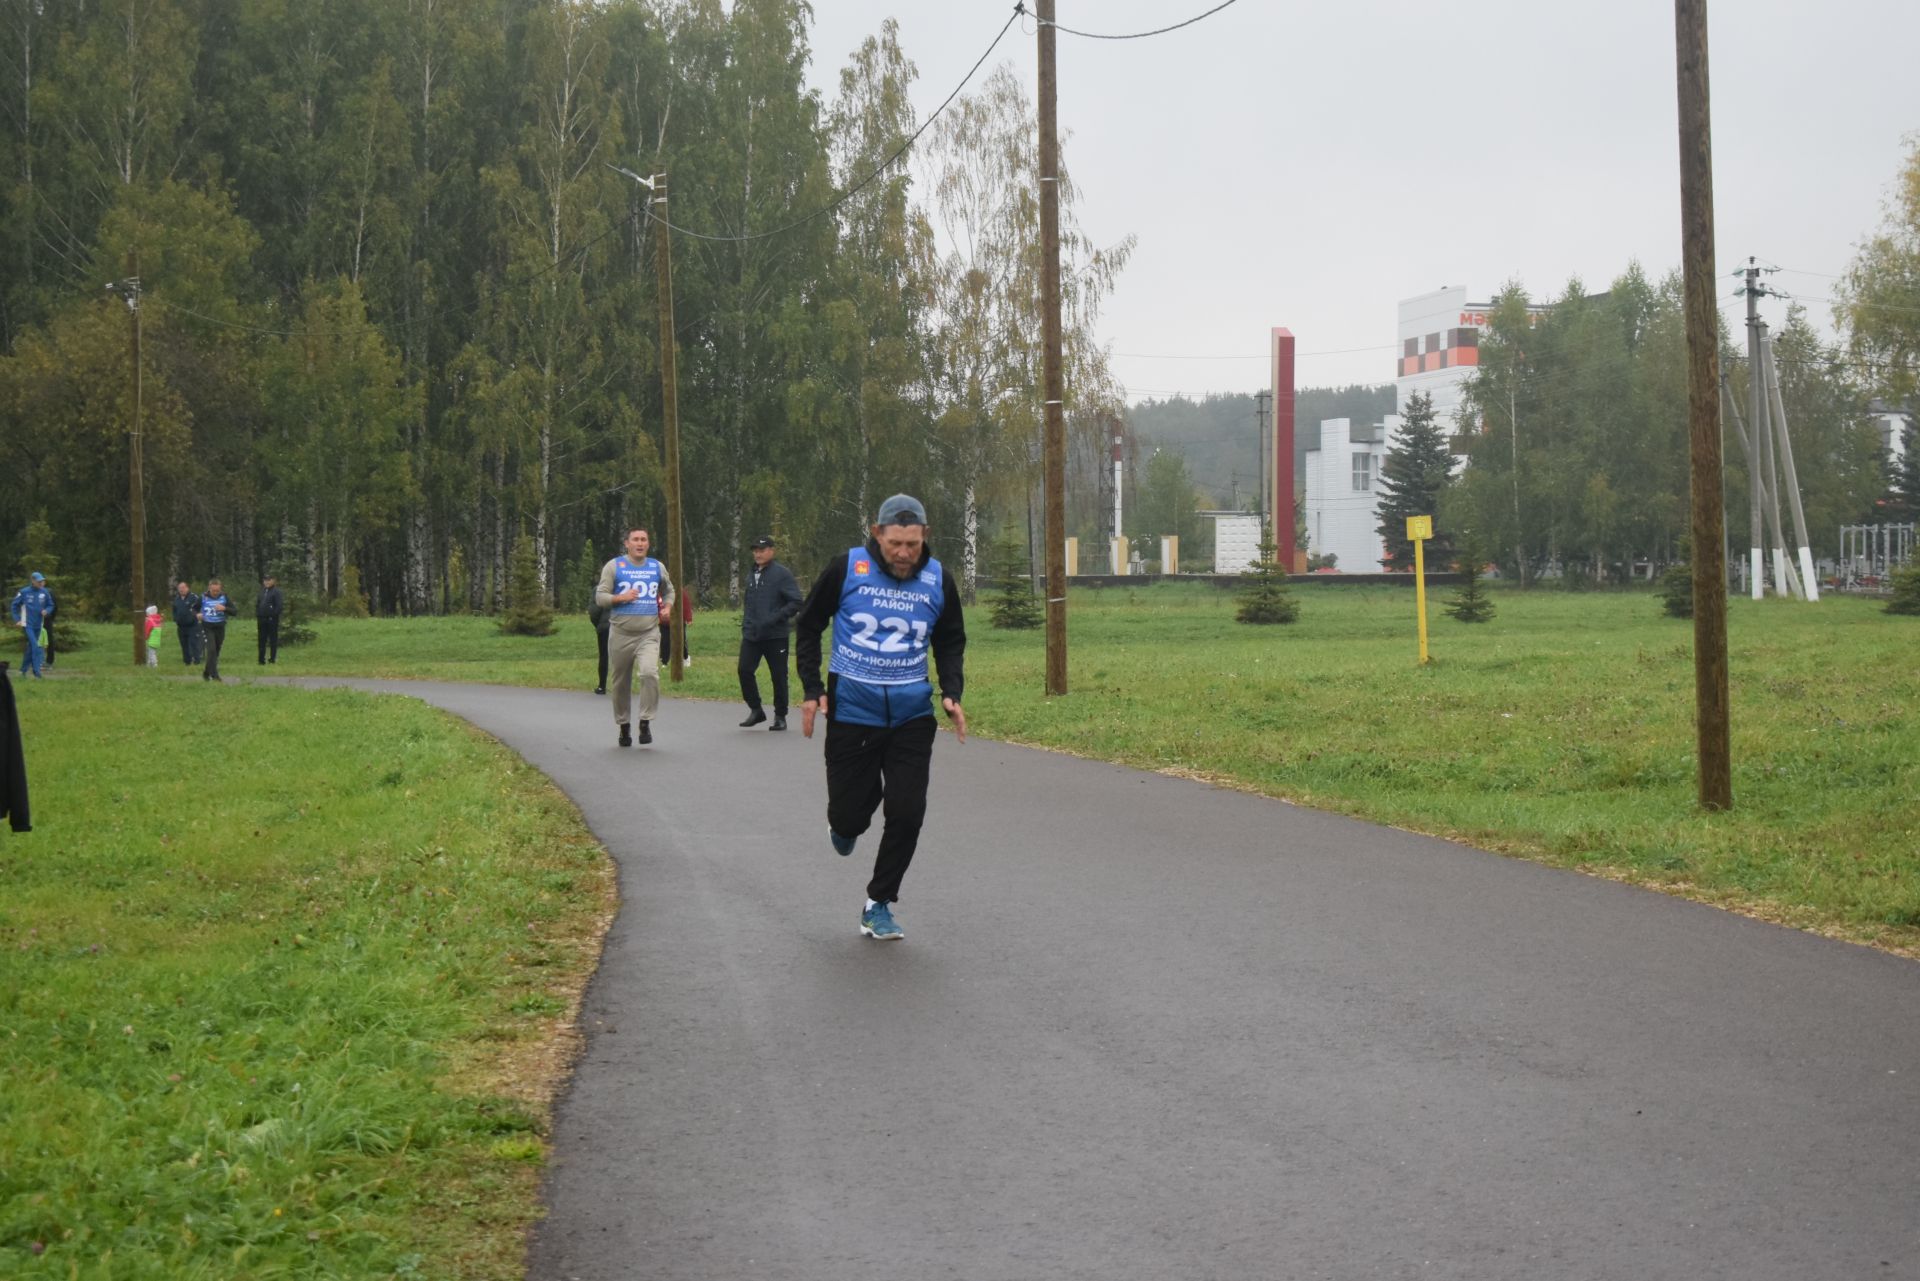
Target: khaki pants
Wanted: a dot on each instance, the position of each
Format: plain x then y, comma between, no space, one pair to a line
634,641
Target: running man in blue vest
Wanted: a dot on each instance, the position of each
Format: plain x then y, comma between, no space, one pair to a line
636,591
888,603
214,608
31,610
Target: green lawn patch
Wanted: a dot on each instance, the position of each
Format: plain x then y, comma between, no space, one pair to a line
286,983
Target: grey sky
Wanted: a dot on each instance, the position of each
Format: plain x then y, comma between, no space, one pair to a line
1310,165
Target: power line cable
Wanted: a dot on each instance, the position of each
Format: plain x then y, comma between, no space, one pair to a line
882,167
1141,35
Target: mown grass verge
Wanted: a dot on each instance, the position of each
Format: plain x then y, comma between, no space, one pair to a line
286,983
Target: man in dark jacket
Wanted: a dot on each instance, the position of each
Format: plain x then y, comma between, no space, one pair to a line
186,621
887,603
601,617
769,603
267,609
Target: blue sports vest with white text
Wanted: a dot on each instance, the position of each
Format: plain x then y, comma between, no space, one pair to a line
881,630
209,615
645,576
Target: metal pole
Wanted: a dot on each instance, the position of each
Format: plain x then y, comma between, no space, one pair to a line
1055,380
1513,429
670,418
136,482
1711,698
1756,493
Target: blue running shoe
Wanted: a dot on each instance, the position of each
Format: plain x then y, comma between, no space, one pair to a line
842,845
877,923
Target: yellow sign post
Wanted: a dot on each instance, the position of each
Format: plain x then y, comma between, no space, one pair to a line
1420,529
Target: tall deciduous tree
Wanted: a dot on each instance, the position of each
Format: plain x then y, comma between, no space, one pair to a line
1879,297
986,365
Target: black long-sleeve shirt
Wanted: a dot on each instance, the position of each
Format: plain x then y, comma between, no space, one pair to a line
823,602
13,761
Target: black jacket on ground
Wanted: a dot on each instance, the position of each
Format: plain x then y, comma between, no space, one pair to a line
13,761
767,609
269,604
949,637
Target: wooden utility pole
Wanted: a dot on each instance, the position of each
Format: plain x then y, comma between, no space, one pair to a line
1711,700
670,416
136,482
1056,450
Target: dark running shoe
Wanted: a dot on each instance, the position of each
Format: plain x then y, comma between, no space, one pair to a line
877,923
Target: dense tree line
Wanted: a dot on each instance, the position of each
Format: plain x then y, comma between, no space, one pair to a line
1575,427
397,306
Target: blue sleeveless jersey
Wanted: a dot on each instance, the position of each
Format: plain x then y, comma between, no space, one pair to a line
881,630
645,576
208,614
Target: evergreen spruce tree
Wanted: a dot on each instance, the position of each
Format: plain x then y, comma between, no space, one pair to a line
1415,472
1903,480
527,612
1906,589
72,600
1676,585
1471,604
1264,598
1014,607
1676,591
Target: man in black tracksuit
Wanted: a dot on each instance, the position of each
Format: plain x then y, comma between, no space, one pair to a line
888,603
768,605
186,621
267,608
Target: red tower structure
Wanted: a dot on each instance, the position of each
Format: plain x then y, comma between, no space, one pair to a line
1292,560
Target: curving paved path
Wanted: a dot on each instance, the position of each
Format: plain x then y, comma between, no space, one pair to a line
1143,1028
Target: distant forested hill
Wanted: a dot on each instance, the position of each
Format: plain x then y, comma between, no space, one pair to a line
1218,436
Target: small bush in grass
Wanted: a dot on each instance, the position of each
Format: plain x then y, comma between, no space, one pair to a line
1676,591
1471,604
1906,589
1264,597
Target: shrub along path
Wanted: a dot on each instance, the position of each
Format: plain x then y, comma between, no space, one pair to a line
1143,1027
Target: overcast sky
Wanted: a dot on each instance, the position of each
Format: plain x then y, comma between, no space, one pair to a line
1310,165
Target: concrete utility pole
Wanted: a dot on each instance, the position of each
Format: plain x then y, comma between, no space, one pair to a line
1711,699
1752,440
670,415
1809,584
1263,427
128,291
1055,382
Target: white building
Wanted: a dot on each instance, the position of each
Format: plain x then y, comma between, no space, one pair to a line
1892,425
1439,351
1342,481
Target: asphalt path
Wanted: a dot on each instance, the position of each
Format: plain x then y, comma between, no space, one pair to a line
1145,1028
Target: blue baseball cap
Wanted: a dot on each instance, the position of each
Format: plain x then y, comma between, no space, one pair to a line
37,576
902,509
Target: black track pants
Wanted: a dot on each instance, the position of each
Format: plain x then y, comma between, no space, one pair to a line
775,652
868,767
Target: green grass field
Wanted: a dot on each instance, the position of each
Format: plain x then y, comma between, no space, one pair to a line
286,974
285,984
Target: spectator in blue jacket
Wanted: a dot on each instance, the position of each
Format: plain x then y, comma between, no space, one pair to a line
32,609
